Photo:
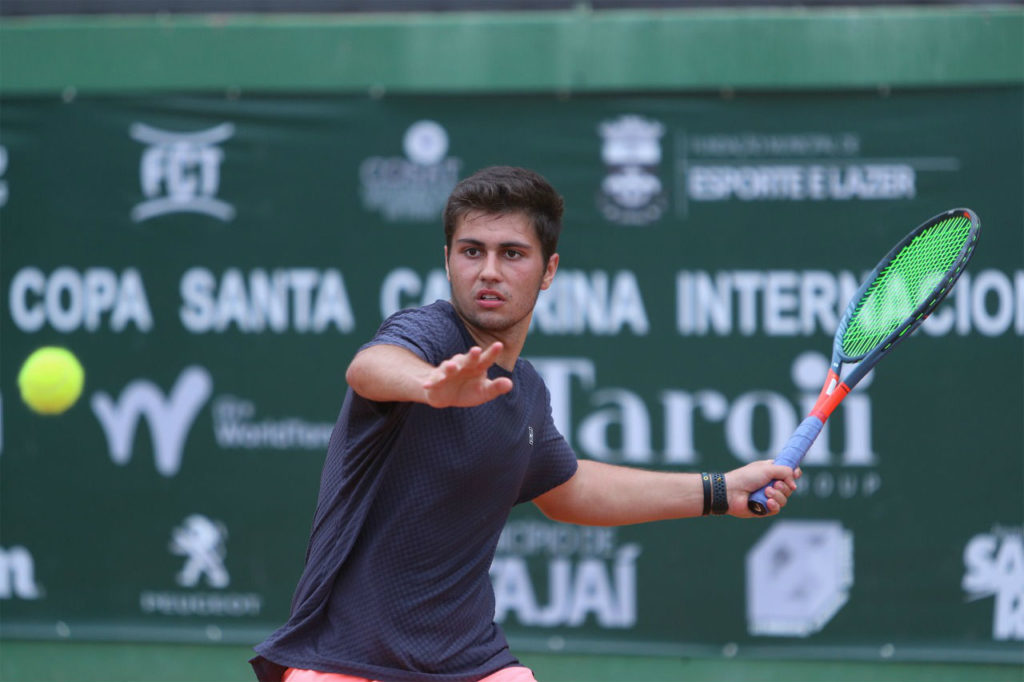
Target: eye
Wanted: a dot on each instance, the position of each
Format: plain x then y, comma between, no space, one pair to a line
512,254
471,251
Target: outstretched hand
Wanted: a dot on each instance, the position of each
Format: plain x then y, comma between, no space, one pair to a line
740,483
462,381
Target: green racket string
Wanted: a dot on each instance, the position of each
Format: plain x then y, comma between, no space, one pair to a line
904,284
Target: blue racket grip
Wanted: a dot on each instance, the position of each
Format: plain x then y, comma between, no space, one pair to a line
799,443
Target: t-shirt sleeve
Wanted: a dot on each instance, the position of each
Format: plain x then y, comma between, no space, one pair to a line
427,332
553,461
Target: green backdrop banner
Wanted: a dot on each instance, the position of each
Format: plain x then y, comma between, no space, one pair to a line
214,263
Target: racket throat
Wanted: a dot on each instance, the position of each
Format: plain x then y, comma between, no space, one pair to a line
832,393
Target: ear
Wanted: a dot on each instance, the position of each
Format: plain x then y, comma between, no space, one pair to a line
447,273
549,272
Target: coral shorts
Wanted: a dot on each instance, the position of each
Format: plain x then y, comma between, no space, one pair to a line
512,674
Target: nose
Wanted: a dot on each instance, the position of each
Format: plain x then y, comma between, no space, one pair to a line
491,270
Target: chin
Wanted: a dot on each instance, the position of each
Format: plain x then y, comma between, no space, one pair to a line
485,320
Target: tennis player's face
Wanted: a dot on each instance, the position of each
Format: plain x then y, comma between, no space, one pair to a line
497,270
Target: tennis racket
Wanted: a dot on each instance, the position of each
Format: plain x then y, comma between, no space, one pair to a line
904,288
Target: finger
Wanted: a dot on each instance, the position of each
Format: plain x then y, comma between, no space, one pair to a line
491,353
785,488
466,362
500,386
444,371
435,378
783,473
776,498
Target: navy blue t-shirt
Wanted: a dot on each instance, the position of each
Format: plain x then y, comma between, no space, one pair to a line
412,502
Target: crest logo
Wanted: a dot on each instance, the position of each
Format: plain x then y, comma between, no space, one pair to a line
414,188
180,172
632,193
201,541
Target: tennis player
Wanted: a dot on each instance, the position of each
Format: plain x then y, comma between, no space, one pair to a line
444,429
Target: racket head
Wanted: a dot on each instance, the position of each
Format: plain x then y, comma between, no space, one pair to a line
907,285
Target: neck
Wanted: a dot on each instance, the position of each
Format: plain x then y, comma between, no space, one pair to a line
513,339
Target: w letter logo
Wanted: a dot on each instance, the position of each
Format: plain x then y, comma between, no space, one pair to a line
170,417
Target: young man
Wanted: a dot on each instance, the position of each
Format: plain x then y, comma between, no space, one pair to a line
443,430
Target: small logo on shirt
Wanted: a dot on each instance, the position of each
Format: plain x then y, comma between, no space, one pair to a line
529,430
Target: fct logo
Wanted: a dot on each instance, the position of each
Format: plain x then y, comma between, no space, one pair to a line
180,172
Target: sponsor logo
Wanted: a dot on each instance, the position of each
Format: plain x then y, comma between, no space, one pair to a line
802,166
631,192
585,573
236,426
799,575
170,417
618,428
18,574
414,188
994,567
203,544
180,172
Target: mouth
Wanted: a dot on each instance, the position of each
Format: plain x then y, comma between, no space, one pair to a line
489,299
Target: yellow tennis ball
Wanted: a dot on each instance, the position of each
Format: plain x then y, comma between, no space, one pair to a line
51,380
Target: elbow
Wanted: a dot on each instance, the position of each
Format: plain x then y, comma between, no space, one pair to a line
354,376
552,513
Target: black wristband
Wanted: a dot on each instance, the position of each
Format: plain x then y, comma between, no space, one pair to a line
705,478
719,497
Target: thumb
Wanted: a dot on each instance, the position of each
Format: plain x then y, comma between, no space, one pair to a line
500,386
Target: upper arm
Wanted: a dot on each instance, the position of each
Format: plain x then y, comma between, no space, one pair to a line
560,503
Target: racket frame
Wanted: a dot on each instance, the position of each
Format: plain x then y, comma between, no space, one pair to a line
866,361
837,388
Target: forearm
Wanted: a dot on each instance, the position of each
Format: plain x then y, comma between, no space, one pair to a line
607,495
387,373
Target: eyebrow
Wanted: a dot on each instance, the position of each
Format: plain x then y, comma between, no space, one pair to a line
502,245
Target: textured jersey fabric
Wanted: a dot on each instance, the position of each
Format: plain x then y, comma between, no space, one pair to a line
412,502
